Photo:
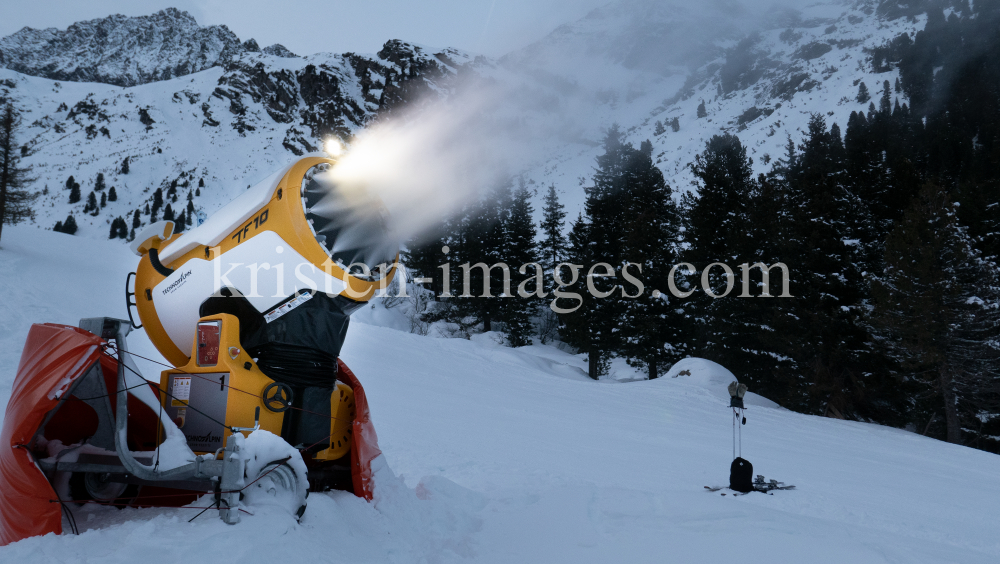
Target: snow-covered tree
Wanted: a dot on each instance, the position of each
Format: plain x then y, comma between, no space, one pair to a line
516,312
15,199
650,331
863,95
937,305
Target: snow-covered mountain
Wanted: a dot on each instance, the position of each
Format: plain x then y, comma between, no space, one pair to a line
226,126
760,75
121,50
646,65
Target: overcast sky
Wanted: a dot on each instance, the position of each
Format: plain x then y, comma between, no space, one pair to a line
491,27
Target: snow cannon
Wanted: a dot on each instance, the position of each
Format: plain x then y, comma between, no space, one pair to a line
251,309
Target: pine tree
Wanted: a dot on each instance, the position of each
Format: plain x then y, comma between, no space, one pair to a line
201,183
658,129
112,195
91,205
99,184
114,229
829,233
157,202
74,194
701,110
422,256
482,238
168,213
136,221
863,95
936,312
15,200
519,249
552,249
581,327
104,200
675,125
69,182
593,328
730,222
885,103
652,334
68,227
125,166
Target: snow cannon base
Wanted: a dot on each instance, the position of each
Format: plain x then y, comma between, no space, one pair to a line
83,426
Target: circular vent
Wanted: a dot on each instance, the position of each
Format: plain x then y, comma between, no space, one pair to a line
351,225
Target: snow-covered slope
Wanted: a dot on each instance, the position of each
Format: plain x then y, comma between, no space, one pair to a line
760,74
228,126
514,455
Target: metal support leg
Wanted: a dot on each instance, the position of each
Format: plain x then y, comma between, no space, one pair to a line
233,469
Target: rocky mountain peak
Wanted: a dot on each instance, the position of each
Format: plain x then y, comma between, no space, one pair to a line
120,50
279,50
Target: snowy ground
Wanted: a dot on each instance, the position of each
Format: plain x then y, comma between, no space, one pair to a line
515,456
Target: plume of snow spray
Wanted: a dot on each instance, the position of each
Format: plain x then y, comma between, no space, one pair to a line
428,160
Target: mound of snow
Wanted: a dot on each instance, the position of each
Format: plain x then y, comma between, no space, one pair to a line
713,377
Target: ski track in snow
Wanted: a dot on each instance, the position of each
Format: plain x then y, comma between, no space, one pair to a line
506,455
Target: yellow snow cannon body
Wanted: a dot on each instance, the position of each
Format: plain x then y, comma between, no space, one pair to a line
232,394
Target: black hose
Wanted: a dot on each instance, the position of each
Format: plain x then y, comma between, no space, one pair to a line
154,259
296,366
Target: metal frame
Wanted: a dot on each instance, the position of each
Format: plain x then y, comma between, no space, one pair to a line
224,476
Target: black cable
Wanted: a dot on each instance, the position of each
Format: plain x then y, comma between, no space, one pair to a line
159,426
73,398
69,514
216,505
296,366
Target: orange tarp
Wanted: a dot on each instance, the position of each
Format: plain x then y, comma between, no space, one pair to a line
54,356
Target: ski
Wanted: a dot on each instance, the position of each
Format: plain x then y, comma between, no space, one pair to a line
762,487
